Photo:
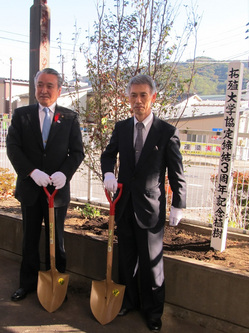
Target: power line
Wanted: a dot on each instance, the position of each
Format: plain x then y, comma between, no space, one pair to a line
27,42
65,49
17,40
13,33
14,40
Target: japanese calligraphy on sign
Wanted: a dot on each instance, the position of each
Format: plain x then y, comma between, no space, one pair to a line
227,152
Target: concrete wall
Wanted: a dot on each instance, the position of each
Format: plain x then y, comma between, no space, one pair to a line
207,289
217,294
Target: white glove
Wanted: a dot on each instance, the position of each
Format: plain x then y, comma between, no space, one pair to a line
175,216
40,178
58,179
110,182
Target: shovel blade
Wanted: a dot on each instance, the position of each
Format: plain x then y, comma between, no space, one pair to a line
106,300
52,289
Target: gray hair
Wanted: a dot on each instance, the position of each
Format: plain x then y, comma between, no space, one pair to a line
142,79
49,71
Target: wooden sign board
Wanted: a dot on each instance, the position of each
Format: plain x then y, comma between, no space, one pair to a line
227,154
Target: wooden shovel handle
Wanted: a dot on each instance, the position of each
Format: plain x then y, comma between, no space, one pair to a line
51,226
111,232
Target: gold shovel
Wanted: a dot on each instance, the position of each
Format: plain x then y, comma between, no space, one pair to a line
52,285
107,296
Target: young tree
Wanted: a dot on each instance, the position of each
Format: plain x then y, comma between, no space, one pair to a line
134,39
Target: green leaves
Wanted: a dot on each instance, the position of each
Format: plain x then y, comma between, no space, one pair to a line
88,211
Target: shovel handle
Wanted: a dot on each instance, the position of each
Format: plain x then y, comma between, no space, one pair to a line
51,227
113,202
50,197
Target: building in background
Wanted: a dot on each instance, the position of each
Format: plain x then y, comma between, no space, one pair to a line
19,88
200,122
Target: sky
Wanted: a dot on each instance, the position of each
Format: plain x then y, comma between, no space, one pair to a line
221,33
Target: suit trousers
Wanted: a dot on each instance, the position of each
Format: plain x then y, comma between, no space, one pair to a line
33,216
141,267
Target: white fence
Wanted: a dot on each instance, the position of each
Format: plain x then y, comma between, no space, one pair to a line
200,175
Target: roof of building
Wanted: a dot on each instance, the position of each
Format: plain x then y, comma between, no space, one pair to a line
195,106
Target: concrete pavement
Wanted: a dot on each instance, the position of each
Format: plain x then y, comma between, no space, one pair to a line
74,315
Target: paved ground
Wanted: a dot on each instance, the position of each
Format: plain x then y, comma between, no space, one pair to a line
74,315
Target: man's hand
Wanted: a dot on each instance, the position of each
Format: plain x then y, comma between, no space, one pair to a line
40,178
110,182
175,216
58,179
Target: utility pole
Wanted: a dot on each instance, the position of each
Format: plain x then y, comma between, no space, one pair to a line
10,90
61,56
39,42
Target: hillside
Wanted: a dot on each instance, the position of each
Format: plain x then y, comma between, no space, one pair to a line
210,75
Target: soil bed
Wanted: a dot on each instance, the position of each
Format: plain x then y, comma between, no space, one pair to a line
177,241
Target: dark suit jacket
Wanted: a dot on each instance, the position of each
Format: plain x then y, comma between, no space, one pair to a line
145,182
63,151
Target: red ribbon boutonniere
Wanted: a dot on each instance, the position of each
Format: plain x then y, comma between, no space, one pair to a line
57,118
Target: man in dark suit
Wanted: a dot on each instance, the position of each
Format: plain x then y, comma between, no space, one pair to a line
40,162
144,157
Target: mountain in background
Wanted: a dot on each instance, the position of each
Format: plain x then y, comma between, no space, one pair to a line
210,77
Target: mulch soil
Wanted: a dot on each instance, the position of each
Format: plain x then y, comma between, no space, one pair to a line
177,240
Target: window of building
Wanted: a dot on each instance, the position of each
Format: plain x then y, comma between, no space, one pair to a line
197,138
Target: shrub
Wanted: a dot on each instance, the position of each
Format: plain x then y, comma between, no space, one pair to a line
88,211
7,183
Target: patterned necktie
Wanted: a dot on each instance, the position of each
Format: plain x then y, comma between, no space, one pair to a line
46,126
139,140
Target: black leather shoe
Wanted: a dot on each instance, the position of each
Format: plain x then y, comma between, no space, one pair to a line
123,312
154,324
19,295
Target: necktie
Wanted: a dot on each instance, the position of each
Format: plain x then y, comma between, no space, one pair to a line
139,140
46,126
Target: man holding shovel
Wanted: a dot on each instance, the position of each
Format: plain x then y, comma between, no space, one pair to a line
147,147
44,145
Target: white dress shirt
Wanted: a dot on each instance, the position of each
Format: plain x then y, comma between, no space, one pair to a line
147,125
42,113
